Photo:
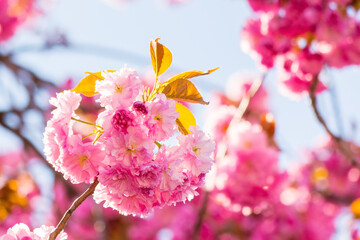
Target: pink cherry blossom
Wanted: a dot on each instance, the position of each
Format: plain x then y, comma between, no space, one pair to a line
122,119
196,149
81,161
159,120
22,231
131,149
119,88
218,122
13,14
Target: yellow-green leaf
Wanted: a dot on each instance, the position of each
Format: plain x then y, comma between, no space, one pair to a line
161,57
87,85
189,74
185,120
183,90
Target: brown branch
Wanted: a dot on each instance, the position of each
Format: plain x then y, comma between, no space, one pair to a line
334,198
343,146
71,210
29,145
201,215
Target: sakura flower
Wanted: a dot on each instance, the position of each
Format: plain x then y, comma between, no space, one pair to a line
131,149
218,121
161,117
22,231
44,232
197,150
122,119
118,179
140,107
246,137
59,127
118,89
13,14
148,175
81,162
125,204
66,103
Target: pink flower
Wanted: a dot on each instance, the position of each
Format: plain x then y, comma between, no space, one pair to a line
161,118
246,137
13,14
135,204
59,127
132,149
122,119
66,103
264,5
310,62
44,232
297,84
81,162
196,149
118,180
218,121
19,231
118,89
148,175
140,107
22,232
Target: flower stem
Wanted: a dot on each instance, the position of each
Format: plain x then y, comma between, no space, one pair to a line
78,120
72,209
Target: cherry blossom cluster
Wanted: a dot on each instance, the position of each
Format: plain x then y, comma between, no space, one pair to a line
22,231
14,13
130,155
303,36
329,172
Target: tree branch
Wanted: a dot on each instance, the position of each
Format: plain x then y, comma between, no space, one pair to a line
244,104
71,210
201,215
343,146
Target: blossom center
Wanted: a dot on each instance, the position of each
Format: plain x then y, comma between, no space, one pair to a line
196,150
83,159
158,117
140,107
119,88
122,119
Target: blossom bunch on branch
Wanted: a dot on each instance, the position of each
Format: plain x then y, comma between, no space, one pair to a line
128,156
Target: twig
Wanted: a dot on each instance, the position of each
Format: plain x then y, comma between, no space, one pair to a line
201,215
341,144
28,144
72,209
240,111
337,199
335,104
244,104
